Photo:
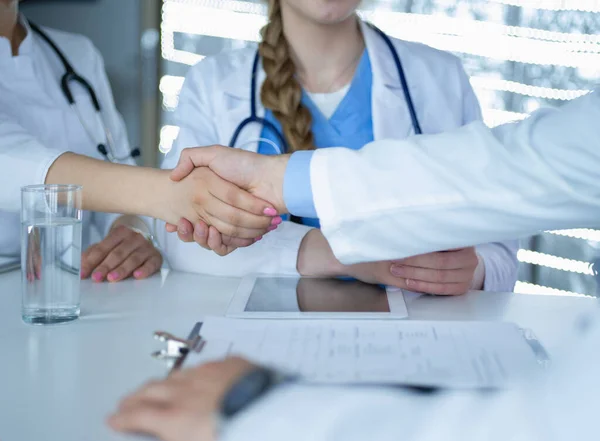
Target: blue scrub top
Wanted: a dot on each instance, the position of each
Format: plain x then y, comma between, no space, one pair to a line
351,125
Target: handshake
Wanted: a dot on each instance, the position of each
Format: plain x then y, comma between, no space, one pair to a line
225,198
237,197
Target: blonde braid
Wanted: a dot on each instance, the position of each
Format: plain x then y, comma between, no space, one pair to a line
280,91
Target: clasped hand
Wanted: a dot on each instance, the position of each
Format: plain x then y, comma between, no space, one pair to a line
244,217
229,217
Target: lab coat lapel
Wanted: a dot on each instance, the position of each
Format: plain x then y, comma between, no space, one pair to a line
237,105
391,118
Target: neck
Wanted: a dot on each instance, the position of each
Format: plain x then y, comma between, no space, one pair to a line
9,24
323,54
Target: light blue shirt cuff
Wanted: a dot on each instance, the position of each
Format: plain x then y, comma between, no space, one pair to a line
297,189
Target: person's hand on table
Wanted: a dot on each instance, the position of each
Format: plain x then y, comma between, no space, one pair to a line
183,406
378,273
121,254
441,273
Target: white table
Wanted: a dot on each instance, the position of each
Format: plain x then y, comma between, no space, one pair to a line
59,382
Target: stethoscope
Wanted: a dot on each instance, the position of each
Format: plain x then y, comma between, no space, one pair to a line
107,147
254,118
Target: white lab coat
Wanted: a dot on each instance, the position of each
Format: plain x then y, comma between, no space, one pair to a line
37,125
216,97
462,190
542,173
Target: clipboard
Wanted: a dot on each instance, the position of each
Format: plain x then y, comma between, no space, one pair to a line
177,348
498,353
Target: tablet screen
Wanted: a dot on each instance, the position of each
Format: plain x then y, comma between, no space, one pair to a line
284,294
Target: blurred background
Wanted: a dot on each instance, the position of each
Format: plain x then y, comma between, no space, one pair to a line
521,55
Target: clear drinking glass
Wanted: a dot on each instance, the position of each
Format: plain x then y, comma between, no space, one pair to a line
50,253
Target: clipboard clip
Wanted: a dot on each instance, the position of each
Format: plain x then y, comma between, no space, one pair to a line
177,347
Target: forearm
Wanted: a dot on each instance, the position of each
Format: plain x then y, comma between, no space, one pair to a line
315,257
510,183
111,188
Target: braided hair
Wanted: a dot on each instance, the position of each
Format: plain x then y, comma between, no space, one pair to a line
281,92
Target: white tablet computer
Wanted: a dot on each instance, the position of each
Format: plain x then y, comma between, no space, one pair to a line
300,297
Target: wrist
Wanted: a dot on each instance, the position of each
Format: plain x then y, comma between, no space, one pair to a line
155,196
246,391
271,184
132,222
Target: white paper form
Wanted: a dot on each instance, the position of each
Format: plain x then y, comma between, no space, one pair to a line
426,353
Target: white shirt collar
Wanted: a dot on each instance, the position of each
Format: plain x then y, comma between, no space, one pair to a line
26,46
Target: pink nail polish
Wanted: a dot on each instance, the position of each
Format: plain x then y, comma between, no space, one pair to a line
276,221
137,274
272,228
270,211
113,276
97,277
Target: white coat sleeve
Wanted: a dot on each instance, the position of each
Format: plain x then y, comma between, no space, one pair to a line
24,160
556,407
499,258
468,186
114,120
278,251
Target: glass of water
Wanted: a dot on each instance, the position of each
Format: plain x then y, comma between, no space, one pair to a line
50,253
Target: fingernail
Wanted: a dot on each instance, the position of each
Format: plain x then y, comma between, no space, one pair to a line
270,211
113,276
276,220
396,270
137,274
272,227
97,277
409,282
259,238
182,228
199,230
